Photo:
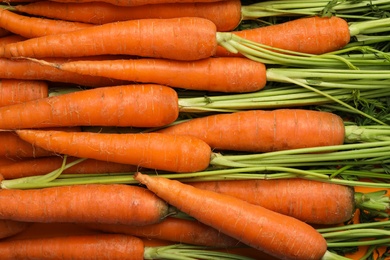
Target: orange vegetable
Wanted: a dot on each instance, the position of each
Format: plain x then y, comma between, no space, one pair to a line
11,39
127,105
276,234
19,91
115,203
137,2
264,131
148,150
9,228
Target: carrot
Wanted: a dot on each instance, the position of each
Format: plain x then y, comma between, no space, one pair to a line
187,38
115,204
149,150
9,228
228,74
225,14
310,201
43,165
137,2
276,234
18,91
31,27
128,105
264,130
11,39
173,229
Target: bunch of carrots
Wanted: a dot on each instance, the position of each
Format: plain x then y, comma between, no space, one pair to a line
218,129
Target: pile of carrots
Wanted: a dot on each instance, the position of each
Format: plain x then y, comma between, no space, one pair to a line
99,130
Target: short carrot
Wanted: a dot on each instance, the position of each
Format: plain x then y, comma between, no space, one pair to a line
10,228
310,201
175,230
148,150
264,130
128,105
113,204
19,91
31,27
273,233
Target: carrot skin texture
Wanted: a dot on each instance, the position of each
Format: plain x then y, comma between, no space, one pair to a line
100,246
129,105
83,204
30,27
331,204
268,231
11,39
226,15
175,230
264,131
9,228
229,74
19,91
147,150
187,38
312,35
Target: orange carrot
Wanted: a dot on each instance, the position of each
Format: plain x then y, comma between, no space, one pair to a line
187,38
228,74
113,204
9,228
264,131
19,91
11,39
310,201
137,2
313,35
128,105
278,235
225,14
99,246
149,150
31,27
44,165
175,230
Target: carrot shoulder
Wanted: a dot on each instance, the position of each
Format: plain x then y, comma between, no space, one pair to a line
276,234
148,150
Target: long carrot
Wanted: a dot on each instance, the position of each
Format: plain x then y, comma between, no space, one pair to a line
276,234
128,105
149,150
18,91
173,229
310,201
225,14
83,204
264,130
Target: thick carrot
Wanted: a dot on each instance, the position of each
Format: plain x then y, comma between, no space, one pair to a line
149,150
173,229
276,234
31,27
9,228
19,91
228,74
225,14
114,204
264,130
30,70
310,201
44,165
187,38
128,105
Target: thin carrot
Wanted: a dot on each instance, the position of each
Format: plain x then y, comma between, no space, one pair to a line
9,228
228,74
173,229
84,204
310,201
43,165
264,130
225,14
149,150
18,91
187,38
276,234
31,27
128,105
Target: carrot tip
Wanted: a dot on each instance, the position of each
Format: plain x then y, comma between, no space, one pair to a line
140,177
